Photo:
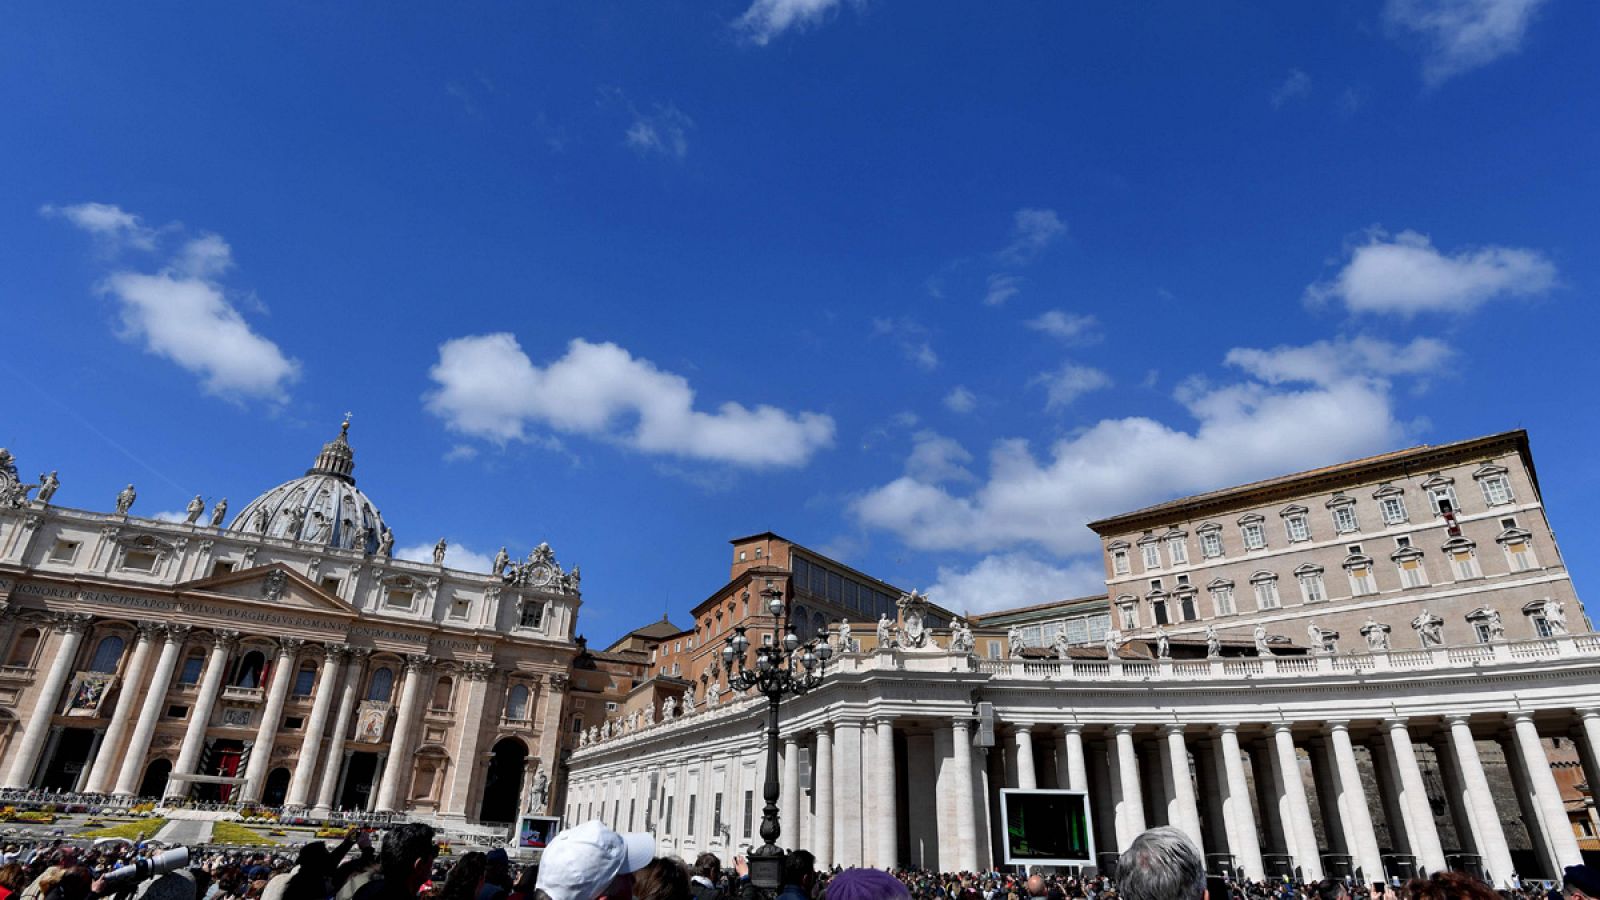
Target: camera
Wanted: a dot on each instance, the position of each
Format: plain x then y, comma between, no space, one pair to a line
140,869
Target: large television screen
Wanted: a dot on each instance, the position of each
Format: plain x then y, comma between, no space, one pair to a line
1046,827
534,832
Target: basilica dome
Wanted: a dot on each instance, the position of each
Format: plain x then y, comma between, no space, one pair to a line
323,506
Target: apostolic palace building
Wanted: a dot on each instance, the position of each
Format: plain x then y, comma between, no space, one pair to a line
1371,669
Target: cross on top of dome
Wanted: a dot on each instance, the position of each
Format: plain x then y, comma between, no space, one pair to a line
336,458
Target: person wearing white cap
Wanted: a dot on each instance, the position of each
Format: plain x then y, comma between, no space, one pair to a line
590,861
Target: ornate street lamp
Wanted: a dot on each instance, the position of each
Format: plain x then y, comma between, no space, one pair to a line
784,668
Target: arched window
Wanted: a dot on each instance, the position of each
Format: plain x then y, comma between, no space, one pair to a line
107,655
381,685
248,675
517,703
192,667
305,680
23,648
442,691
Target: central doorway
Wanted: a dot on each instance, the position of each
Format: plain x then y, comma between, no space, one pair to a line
502,789
358,780
67,763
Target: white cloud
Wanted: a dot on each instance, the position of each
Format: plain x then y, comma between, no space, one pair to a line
178,517
1296,85
1242,431
182,313
1328,362
1405,275
456,556
935,459
1069,327
766,19
489,388
1010,580
1460,35
1068,383
106,220
960,400
461,453
1002,287
912,338
664,131
1032,230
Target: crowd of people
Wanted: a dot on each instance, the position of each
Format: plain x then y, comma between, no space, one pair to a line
593,862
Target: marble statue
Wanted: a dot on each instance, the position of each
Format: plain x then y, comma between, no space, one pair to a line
583,739
1062,648
649,716
125,500
713,694
669,708
48,485
1314,636
1016,641
219,512
846,645
1261,641
633,721
362,535
1376,633
1163,645
1213,643
386,542
912,608
1555,615
196,508
438,552
688,703
1429,628
13,493
297,520
1497,626
885,632
262,517
540,795
1113,642
961,640
501,560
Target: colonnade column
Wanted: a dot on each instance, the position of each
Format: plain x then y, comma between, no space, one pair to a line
305,766
1238,816
339,758
966,855
150,711
1298,808
1481,814
822,794
284,672
887,824
72,628
1027,773
793,791
1071,771
1552,812
122,718
1421,832
400,765
1130,799
847,793
194,737
1360,840
1184,805
470,721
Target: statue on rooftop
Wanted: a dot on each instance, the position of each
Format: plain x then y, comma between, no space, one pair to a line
125,500
219,512
438,552
48,484
501,560
386,542
195,509
1213,643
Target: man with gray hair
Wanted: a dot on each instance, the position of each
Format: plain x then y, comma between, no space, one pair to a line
1161,864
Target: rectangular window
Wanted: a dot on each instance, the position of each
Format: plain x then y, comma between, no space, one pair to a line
1119,562
632,808
1211,544
331,584
1099,624
1412,574
139,561
1344,519
1078,630
1481,630
177,711
1158,610
294,723
716,815
1298,528
221,567
402,599
690,829
1311,588
1177,550
668,822
1443,499
1267,594
1465,564
1541,627
1496,490
63,551
1255,537
1222,601
749,812
994,653
303,681
577,724
1519,555
460,607
1394,509
1130,616
1152,556
190,673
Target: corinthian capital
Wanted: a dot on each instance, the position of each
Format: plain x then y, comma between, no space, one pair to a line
290,645
421,662
73,623
225,637
177,632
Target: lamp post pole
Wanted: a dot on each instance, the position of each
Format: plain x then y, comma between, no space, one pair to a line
786,668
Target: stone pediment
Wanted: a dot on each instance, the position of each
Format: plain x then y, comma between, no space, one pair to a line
274,585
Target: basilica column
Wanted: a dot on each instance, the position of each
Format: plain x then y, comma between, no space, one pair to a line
1552,812
150,712
1586,736
397,775
966,855
470,722
1071,771
1130,800
1243,842
792,795
194,737
847,793
283,675
886,824
1027,774
105,761
822,795
1421,833
335,769
1361,841
1487,835
305,767
1184,811
72,628
1298,808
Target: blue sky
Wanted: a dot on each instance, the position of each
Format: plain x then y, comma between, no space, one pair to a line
925,286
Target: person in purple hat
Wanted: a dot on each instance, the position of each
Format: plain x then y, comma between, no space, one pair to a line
865,884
